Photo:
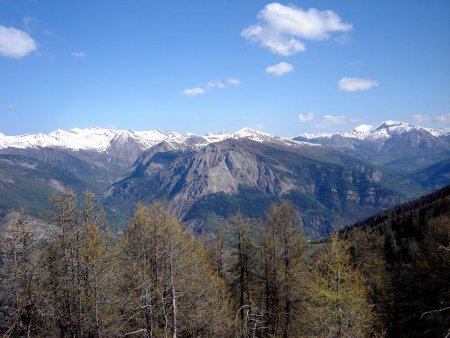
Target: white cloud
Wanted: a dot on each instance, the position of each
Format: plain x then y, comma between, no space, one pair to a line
215,84
211,85
308,117
443,118
194,91
10,106
79,55
280,28
353,84
329,119
332,120
15,43
260,126
420,118
233,82
436,121
280,69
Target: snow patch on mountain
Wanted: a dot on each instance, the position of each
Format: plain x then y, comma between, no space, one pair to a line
383,132
359,132
99,139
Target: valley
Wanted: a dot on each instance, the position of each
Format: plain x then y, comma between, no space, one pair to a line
231,169
333,180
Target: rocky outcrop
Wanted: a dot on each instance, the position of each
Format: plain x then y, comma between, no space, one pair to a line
345,190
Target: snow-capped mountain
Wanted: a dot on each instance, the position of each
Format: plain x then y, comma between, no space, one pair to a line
383,132
203,176
100,140
97,139
389,138
359,132
396,145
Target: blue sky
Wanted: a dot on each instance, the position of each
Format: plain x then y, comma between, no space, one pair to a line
203,65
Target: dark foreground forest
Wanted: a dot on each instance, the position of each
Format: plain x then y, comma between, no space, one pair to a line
69,276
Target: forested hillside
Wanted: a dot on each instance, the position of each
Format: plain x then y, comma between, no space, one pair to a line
404,256
70,276
206,179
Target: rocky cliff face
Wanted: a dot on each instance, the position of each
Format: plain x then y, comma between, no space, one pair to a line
205,179
337,190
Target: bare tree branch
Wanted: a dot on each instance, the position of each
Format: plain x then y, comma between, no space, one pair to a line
435,311
446,248
134,332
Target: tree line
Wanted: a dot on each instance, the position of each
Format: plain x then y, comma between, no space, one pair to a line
72,277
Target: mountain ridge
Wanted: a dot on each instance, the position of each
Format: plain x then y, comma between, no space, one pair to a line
382,131
341,189
204,179
398,146
99,139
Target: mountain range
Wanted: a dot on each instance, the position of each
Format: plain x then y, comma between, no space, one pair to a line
333,179
395,145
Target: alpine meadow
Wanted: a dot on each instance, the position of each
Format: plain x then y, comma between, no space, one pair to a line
224,169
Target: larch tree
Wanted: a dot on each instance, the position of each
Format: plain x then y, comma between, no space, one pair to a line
75,266
62,261
95,268
339,305
367,253
283,270
217,253
19,276
242,261
241,275
167,287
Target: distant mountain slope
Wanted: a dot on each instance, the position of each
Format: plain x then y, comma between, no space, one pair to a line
404,254
434,176
385,131
334,180
102,140
243,175
26,182
396,145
